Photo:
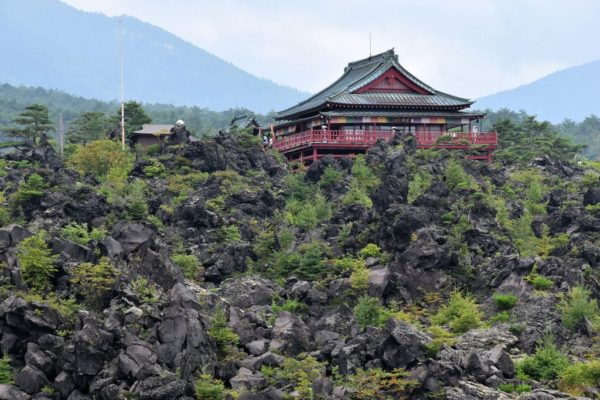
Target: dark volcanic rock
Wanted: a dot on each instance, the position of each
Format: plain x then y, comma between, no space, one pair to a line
290,335
248,291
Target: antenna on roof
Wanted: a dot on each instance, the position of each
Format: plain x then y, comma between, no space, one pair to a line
122,87
369,44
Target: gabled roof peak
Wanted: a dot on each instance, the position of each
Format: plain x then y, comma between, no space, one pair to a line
375,59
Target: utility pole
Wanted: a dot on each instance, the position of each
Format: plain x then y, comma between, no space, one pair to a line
369,44
61,135
122,87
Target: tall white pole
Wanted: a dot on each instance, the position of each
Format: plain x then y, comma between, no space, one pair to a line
61,133
122,87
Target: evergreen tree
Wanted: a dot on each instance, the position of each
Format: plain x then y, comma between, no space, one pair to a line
135,117
34,124
88,126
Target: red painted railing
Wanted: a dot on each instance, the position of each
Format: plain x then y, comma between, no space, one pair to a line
425,139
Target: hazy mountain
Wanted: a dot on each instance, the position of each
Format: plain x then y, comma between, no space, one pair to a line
572,93
50,44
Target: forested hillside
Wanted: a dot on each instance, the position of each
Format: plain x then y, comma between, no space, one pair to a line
201,121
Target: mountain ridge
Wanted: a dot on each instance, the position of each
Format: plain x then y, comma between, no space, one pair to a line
570,93
81,56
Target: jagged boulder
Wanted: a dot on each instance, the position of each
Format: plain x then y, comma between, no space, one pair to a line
403,344
250,290
290,335
133,236
10,392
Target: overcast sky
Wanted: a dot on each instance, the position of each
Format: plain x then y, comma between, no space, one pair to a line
469,48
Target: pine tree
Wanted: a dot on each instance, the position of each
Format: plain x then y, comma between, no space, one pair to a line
88,126
34,124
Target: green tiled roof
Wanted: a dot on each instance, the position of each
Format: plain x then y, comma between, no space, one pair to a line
362,72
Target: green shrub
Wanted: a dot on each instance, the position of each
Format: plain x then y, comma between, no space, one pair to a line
296,374
184,183
578,306
99,157
362,175
221,333
209,388
377,384
357,195
291,305
36,261
418,185
501,317
440,338
6,371
330,177
306,263
146,291
460,314
78,233
547,362
363,180
4,212
306,214
542,283
66,307
32,188
505,301
457,178
155,169
94,281
368,312
370,250
511,388
187,263
359,279
137,208
578,378
226,234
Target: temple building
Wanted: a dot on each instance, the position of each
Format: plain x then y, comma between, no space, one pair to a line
374,99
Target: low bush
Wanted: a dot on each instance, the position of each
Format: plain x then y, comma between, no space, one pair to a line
36,261
146,291
504,301
94,281
368,312
79,233
291,305
359,279
225,338
418,185
296,374
32,188
440,337
546,364
577,378
511,388
377,384
187,263
230,233
307,263
99,157
578,306
330,177
370,250
6,371
209,388
460,314
155,169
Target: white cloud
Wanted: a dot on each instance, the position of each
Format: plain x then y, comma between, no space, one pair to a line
465,47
